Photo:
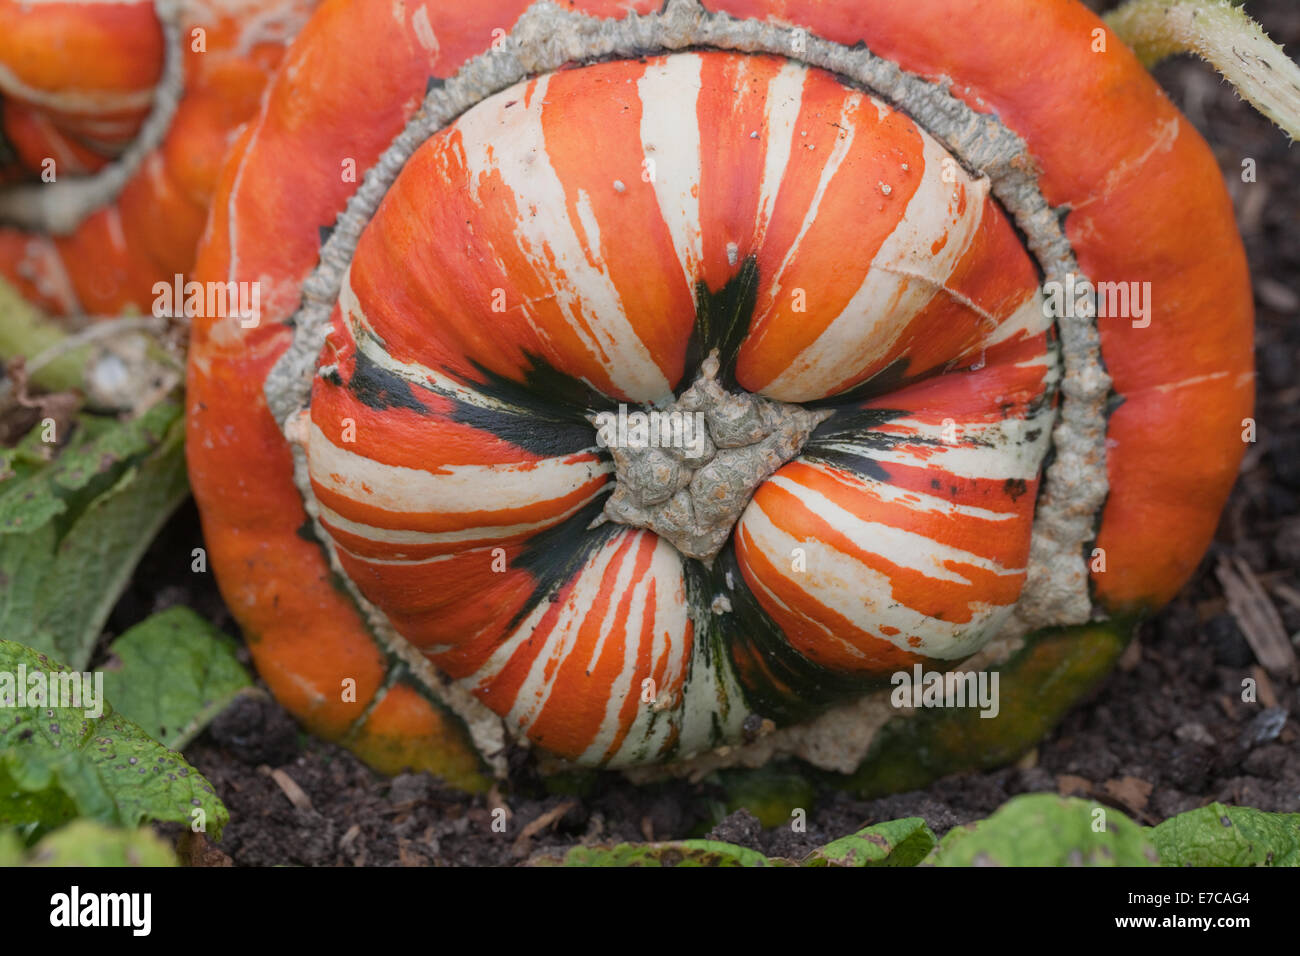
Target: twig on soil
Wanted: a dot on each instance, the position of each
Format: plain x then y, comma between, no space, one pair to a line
1256,616
522,842
1264,687
1288,594
350,837
496,801
297,796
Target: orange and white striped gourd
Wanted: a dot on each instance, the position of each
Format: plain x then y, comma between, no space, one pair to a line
834,232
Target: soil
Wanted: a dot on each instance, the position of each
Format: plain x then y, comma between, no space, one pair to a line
1167,732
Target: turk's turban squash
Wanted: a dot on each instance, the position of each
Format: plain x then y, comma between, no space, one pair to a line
114,119
836,245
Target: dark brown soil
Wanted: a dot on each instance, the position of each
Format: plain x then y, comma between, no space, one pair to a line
1166,733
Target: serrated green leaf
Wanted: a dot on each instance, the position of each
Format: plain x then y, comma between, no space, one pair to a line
61,578
87,843
688,853
1046,830
177,673
106,768
903,842
99,451
1229,836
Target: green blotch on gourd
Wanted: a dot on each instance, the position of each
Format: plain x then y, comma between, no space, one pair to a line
1228,836
1047,830
1053,671
903,842
771,793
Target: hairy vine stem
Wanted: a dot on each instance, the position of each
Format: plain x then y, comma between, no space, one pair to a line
96,332
121,375
1220,32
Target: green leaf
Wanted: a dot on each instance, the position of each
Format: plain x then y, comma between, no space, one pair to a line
97,454
682,853
903,842
56,762
1229,836
11,849
177,673
26,570
28,805
71,532
25,458
87,843
1045,830
1031,830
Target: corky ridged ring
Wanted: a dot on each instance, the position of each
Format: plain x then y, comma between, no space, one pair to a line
834,230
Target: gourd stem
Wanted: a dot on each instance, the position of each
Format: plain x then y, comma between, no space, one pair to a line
59,357
102,329
1221,33
24,330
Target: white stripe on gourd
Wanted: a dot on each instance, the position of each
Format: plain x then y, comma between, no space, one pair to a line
904,277
863,595
781,116
400,538
669,93
447,489
512,143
